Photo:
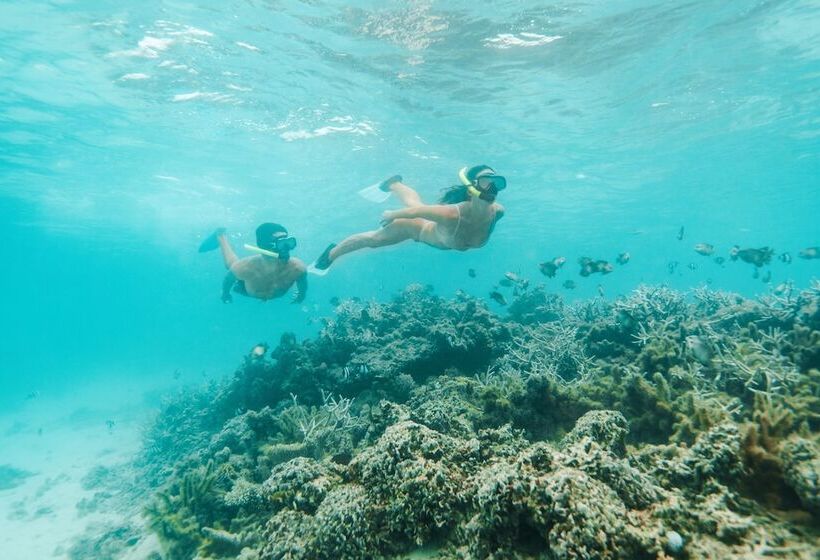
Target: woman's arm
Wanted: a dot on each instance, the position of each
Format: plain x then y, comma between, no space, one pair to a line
439,213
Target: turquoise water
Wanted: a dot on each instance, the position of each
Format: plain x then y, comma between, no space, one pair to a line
127,133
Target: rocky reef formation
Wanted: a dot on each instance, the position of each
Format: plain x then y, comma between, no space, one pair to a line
660,425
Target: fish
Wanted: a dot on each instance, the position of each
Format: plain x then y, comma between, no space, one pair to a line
589,266
512,277
177,374
767,277
756,273
109,424
757,257
810,253
506,282
600,290
692,266
259,350
32,395
334,301
471,272
549,268
783,288
671,266
569,285
699,349
623,258
704,249
346,372
363,369
720,260
680,234
498,297
785,257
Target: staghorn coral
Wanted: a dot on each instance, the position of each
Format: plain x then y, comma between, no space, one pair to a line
490,438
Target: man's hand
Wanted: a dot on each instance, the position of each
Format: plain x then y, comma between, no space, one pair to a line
227,297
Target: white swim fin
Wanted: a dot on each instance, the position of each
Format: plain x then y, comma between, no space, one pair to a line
373,193
311,269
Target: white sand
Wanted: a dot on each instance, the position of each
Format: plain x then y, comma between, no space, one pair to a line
40,519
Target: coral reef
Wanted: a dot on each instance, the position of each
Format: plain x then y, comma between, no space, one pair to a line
658,425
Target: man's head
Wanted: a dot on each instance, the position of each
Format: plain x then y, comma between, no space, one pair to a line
274,237
482,182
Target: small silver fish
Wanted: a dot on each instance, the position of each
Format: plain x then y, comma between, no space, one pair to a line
699,349
704,249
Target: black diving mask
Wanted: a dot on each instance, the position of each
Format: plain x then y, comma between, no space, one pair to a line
282,246
487,182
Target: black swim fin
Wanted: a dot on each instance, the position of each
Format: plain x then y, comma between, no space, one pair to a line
324,262
211,242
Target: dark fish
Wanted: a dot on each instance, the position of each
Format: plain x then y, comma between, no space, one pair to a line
785,257
356,299
767,277
33,395
365,315
672,266
589,266
177,374
506,282
569,285
704,249
471,273
692,266
623,258
110,424
680,234
810,253
757,257
720,260
600,290
549,268
498,297
334,301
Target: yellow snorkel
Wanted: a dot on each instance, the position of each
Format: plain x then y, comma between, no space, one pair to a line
261,251
462,175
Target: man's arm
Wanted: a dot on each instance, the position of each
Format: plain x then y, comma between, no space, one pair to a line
301,288
227,284
439,213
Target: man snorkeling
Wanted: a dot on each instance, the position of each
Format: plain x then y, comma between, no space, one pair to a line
267,275
463,219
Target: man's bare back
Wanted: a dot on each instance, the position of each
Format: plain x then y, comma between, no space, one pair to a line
267,278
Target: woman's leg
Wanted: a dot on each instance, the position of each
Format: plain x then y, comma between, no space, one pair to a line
406,195
395,232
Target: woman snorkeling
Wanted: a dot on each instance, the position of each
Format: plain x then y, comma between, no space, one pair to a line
463,219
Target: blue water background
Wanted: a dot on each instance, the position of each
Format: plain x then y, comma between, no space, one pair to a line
128,132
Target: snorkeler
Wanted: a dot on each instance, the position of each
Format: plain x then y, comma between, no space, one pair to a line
463,219
266,275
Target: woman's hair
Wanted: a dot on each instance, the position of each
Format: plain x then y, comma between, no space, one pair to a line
454,195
